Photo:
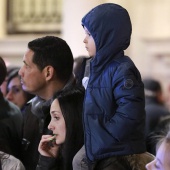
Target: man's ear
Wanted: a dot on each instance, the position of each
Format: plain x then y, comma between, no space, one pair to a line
49,72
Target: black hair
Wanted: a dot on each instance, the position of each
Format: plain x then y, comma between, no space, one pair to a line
3,70
54,51
152,84
13,73
71,104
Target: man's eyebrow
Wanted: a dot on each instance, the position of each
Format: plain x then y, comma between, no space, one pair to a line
25,62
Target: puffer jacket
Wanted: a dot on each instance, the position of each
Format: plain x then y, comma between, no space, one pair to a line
36,120
114,115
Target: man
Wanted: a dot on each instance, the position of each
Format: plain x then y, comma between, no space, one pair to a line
11,121
47,68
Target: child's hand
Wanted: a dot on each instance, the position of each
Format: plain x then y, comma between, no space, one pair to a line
48,147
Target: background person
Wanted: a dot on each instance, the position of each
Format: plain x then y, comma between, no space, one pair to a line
15,93
4,84
11,120
154,104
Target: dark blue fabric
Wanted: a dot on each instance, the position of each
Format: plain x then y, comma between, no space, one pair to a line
114,115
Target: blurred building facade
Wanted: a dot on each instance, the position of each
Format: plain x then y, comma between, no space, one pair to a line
22,21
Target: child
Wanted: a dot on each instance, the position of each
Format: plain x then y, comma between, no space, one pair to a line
114,115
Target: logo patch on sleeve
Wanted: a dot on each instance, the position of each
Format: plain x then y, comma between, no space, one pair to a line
128,83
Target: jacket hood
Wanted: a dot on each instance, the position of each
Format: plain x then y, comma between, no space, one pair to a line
110,26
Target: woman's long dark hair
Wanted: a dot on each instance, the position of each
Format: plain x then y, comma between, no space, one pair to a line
71,104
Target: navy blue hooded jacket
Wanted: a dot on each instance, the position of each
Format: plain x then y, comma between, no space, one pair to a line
114,115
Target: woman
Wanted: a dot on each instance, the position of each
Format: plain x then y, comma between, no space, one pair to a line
66,126
15,93
162,160
4,84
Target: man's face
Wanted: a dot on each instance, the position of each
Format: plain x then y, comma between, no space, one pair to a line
32,79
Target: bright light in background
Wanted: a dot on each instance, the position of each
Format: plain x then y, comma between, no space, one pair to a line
7,62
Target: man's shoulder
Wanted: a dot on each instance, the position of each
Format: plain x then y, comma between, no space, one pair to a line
33,109
29,104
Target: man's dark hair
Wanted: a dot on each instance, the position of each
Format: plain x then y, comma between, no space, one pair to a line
3,70
53,51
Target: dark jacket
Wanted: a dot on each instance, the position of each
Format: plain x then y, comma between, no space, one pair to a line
49,163
80,72
155,111
11,122
36,120
114,115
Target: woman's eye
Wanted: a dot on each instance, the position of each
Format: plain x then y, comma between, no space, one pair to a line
56,117
15,89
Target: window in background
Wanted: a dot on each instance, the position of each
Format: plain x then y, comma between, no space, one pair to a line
33,16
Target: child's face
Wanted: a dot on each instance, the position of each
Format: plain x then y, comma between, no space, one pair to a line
162,160
89,43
